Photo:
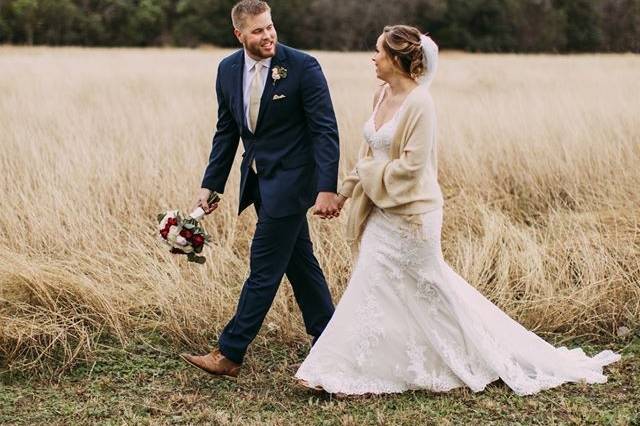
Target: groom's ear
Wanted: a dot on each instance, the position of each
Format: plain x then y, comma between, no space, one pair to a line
238,35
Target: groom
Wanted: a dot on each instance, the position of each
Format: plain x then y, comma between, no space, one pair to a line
276,100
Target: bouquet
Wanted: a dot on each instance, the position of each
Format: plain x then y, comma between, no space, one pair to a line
184,234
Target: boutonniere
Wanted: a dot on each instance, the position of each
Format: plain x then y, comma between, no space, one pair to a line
278,72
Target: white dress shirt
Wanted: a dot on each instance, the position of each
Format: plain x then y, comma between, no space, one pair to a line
247,76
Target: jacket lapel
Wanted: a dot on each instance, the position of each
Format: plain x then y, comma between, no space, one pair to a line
238,72
278,60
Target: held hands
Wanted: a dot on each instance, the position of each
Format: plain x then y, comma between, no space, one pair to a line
328,205
201,201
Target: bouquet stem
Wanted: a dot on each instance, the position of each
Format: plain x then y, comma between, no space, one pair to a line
198,213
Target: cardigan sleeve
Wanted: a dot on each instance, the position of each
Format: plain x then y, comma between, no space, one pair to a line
395,182
349,183
352,178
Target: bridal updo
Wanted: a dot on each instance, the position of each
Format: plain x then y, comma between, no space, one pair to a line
402,44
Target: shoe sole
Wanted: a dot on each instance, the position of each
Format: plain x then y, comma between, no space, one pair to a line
304,385
339,396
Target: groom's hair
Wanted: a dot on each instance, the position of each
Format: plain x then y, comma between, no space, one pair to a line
247,7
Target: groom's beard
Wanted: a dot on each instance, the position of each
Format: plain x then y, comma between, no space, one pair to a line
258,51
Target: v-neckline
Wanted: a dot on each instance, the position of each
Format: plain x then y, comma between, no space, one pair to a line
375,112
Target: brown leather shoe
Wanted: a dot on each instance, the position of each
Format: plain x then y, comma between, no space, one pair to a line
213,363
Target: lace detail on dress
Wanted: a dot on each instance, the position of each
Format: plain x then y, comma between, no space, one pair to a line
418,375
380,140
427,289
409,259
368,330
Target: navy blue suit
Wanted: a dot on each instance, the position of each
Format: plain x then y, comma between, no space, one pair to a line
295,147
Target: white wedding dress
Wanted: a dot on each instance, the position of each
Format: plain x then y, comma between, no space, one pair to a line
408,321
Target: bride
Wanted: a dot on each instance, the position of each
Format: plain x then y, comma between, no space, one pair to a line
406,320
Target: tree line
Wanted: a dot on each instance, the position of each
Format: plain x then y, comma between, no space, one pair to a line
472,25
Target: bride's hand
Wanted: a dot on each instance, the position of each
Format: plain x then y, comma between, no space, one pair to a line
341,199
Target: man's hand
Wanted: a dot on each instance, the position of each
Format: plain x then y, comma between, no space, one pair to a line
326,205
201,201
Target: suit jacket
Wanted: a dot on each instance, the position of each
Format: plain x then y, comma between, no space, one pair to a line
295,145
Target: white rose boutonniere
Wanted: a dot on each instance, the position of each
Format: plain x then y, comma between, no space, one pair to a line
278,72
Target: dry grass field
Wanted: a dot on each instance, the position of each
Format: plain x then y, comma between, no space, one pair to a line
539,164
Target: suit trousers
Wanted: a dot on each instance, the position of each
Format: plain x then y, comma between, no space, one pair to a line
280,246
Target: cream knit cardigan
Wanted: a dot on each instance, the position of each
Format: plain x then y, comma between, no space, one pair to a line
407,183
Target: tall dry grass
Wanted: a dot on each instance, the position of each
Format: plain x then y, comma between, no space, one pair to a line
539,163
